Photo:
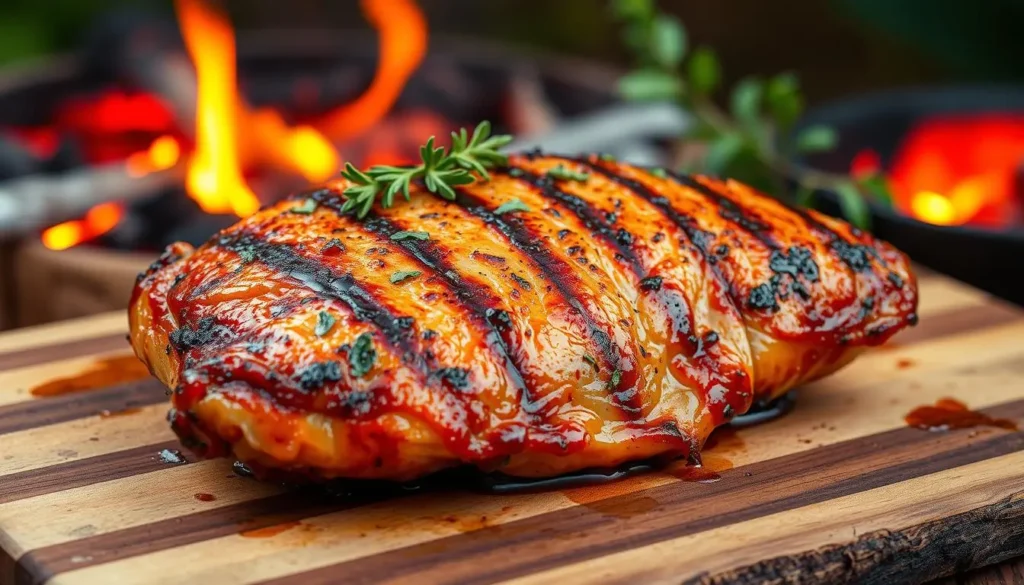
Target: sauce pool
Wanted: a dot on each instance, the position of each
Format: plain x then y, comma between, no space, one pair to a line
104,373
949,413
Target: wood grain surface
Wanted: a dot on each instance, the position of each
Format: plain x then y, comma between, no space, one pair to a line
841,490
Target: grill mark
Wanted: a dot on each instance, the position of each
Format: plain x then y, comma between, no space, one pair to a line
590,217
327,284
40,412
687,224
468,298
559,274
511,550
732,211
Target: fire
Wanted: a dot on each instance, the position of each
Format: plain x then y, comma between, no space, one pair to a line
233,139
403,42
161,155
97,221
959,170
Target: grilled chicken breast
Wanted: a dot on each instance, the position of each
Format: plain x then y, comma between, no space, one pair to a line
609,318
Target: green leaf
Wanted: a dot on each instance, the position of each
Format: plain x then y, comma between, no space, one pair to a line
804,196
877,186
852,204
650,85
613,383
722,152
564,174
306,207
746,102
667,42
704,71
816,139
362,355
510,206
782,96
591,360
403,275
410,235
324,322
632,9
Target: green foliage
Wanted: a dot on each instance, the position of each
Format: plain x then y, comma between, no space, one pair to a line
750,142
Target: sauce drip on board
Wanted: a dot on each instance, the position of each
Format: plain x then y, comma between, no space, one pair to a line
202,497
949,413
269,530
104,373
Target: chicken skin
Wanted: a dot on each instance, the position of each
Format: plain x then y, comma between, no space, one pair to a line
541,323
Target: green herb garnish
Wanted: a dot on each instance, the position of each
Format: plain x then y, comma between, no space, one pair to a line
659,172
510,206
247,255
362,355
308,206
616,378
399,236
440,170
591,360
324,322
560,172
403,275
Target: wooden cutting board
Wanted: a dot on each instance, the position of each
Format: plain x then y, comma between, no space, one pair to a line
840,489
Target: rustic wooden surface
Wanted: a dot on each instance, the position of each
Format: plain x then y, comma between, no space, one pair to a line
840,490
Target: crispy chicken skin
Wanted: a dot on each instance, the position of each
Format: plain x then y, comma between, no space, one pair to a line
621,317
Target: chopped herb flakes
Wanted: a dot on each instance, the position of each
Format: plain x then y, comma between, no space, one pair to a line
308,206
399,236
616,378
362,355
659,172
560,172
403,275
608,157
591,360
247,255
324,322
510,206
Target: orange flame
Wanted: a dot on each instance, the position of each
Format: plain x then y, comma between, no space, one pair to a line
224,123
403,42
97,221
161,155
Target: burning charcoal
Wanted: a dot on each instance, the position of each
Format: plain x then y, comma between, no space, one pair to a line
144,51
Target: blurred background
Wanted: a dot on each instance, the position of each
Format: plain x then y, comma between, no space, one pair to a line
838,46
100,150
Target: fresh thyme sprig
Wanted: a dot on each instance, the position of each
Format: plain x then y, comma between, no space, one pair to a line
751,141
440,170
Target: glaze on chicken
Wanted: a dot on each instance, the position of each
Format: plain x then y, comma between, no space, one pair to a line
615,316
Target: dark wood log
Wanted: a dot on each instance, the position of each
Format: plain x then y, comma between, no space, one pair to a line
980,537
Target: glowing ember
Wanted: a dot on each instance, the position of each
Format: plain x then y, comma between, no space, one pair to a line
97,221
161,155
954,171
403,42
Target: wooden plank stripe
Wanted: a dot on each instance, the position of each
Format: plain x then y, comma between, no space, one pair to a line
38,566
63,350
583,532
83,472
961,320
875,531
781,483
47,411
70,330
